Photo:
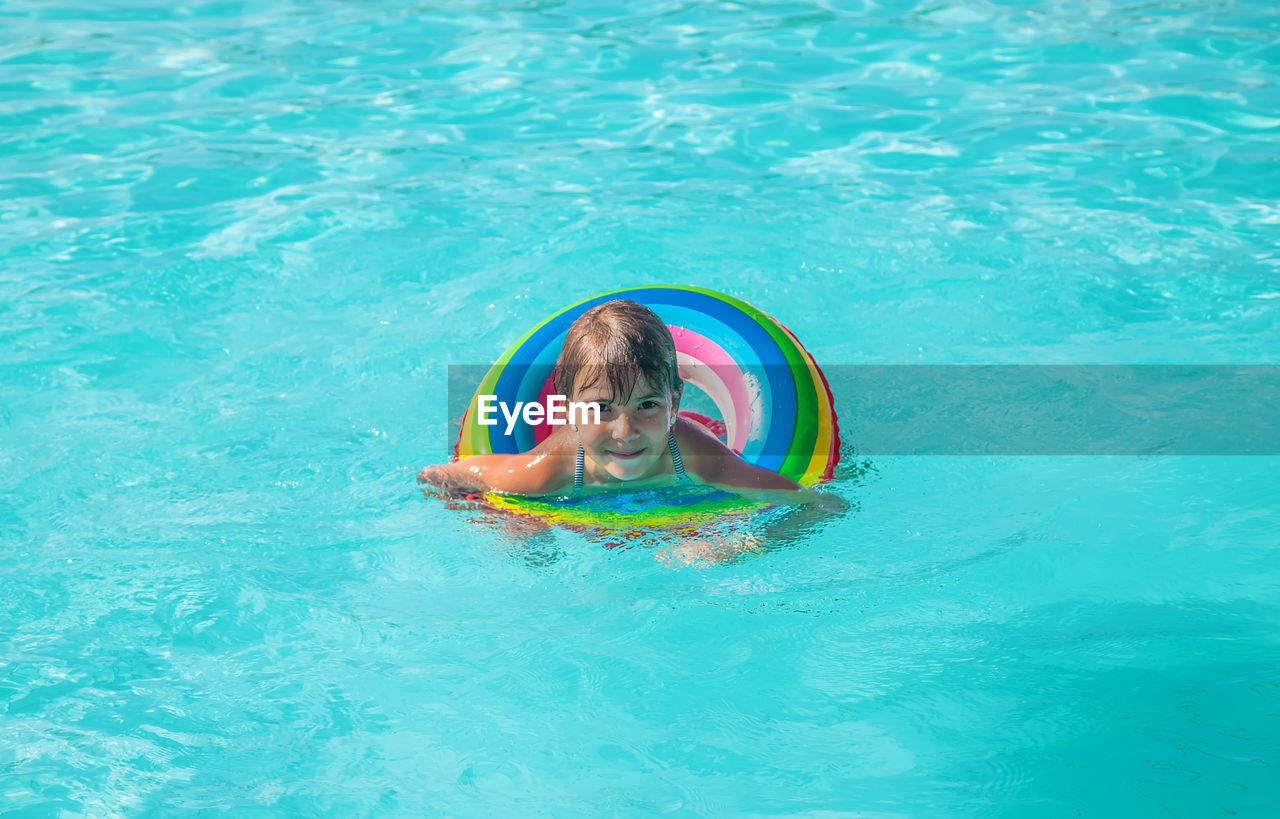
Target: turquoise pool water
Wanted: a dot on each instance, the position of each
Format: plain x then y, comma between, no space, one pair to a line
242,242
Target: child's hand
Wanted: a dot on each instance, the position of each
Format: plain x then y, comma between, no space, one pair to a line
434,475
444,483
710,552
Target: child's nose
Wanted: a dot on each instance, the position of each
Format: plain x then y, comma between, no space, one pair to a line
622,426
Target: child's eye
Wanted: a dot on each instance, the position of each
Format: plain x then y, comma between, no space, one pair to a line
650,404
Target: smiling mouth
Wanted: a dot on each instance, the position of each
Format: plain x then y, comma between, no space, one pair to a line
626,456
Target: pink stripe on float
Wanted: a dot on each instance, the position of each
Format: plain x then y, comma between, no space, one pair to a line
542,430
721,378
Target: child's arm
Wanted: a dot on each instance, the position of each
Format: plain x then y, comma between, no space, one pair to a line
807,515
540,471
713,462
802,520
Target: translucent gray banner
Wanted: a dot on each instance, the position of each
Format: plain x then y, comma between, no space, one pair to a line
998,410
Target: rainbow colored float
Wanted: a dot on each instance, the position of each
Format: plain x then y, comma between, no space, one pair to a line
777,407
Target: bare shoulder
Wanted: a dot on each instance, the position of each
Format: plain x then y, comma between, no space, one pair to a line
543,470
695,441
706,457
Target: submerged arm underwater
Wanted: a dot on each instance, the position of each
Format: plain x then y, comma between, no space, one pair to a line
796,515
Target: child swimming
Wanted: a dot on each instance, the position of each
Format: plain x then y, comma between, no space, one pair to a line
621,358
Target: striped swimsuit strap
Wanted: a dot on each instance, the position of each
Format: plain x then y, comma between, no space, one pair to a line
671,447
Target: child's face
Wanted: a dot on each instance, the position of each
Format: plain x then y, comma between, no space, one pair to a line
630,442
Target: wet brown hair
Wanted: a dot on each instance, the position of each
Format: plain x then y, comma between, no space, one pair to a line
622,343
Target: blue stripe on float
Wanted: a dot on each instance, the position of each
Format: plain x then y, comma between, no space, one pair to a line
512,381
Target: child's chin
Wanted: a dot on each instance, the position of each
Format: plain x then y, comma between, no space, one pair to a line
625,474
625,471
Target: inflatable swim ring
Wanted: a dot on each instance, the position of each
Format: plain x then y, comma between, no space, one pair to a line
777,407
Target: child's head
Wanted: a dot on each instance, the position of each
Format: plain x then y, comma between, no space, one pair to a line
621,357
618,347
